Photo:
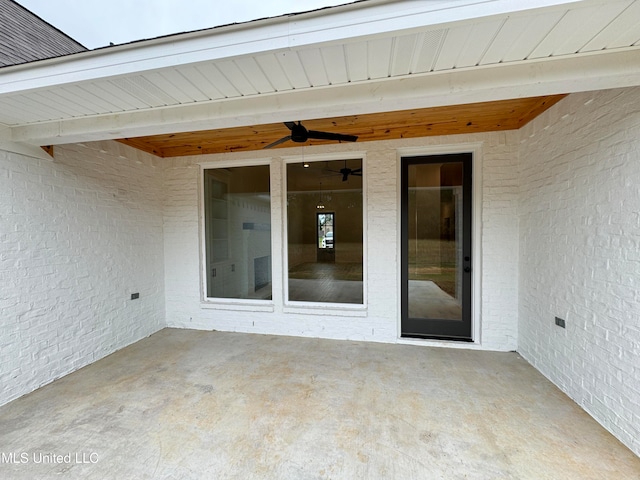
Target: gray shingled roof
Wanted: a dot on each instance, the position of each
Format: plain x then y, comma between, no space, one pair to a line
25,37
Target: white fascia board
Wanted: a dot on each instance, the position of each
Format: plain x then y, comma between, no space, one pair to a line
558,75
406,16
341,23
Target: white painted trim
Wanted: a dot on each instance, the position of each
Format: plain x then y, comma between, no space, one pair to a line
326,157
28,150
365,236
441,344
326,309
477,161
227,303
239,306
202,239
284,230
243,162
341,309
548,76
361,19
476,239
5,133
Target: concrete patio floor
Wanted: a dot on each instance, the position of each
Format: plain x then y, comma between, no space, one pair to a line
190,404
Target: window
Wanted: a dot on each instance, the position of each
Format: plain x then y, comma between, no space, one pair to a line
325,232
237,232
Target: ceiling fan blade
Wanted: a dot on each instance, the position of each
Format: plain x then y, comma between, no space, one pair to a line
357,171
332,136
290,125
278,142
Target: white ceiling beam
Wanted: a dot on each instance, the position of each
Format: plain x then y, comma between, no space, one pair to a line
25,149
337,24
576,73
8,145
5,133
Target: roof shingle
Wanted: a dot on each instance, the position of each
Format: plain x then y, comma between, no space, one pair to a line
25,37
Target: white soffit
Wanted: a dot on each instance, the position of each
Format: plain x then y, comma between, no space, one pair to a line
359,58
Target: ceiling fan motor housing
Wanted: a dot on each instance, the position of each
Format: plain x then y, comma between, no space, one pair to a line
299,133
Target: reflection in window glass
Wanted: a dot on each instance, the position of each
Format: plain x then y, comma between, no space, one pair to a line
237,213
324,232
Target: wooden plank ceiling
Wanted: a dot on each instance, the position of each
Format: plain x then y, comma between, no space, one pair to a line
449,120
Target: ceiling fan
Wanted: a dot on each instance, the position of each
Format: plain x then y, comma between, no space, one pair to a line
300,134
346,171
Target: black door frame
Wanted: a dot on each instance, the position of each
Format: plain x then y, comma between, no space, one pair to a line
435,328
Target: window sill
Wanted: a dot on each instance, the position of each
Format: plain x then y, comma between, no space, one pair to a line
333,310
241,306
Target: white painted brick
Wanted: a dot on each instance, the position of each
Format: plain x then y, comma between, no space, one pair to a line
77,236
579,243
559,228
499,243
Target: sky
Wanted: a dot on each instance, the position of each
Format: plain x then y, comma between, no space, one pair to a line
98,23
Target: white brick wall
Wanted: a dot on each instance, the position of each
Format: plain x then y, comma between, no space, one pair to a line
580,253
78,235
560,237
499,224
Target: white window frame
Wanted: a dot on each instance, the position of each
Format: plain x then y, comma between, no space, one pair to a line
324,308
238,304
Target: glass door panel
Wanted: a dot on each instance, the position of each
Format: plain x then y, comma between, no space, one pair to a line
436,246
